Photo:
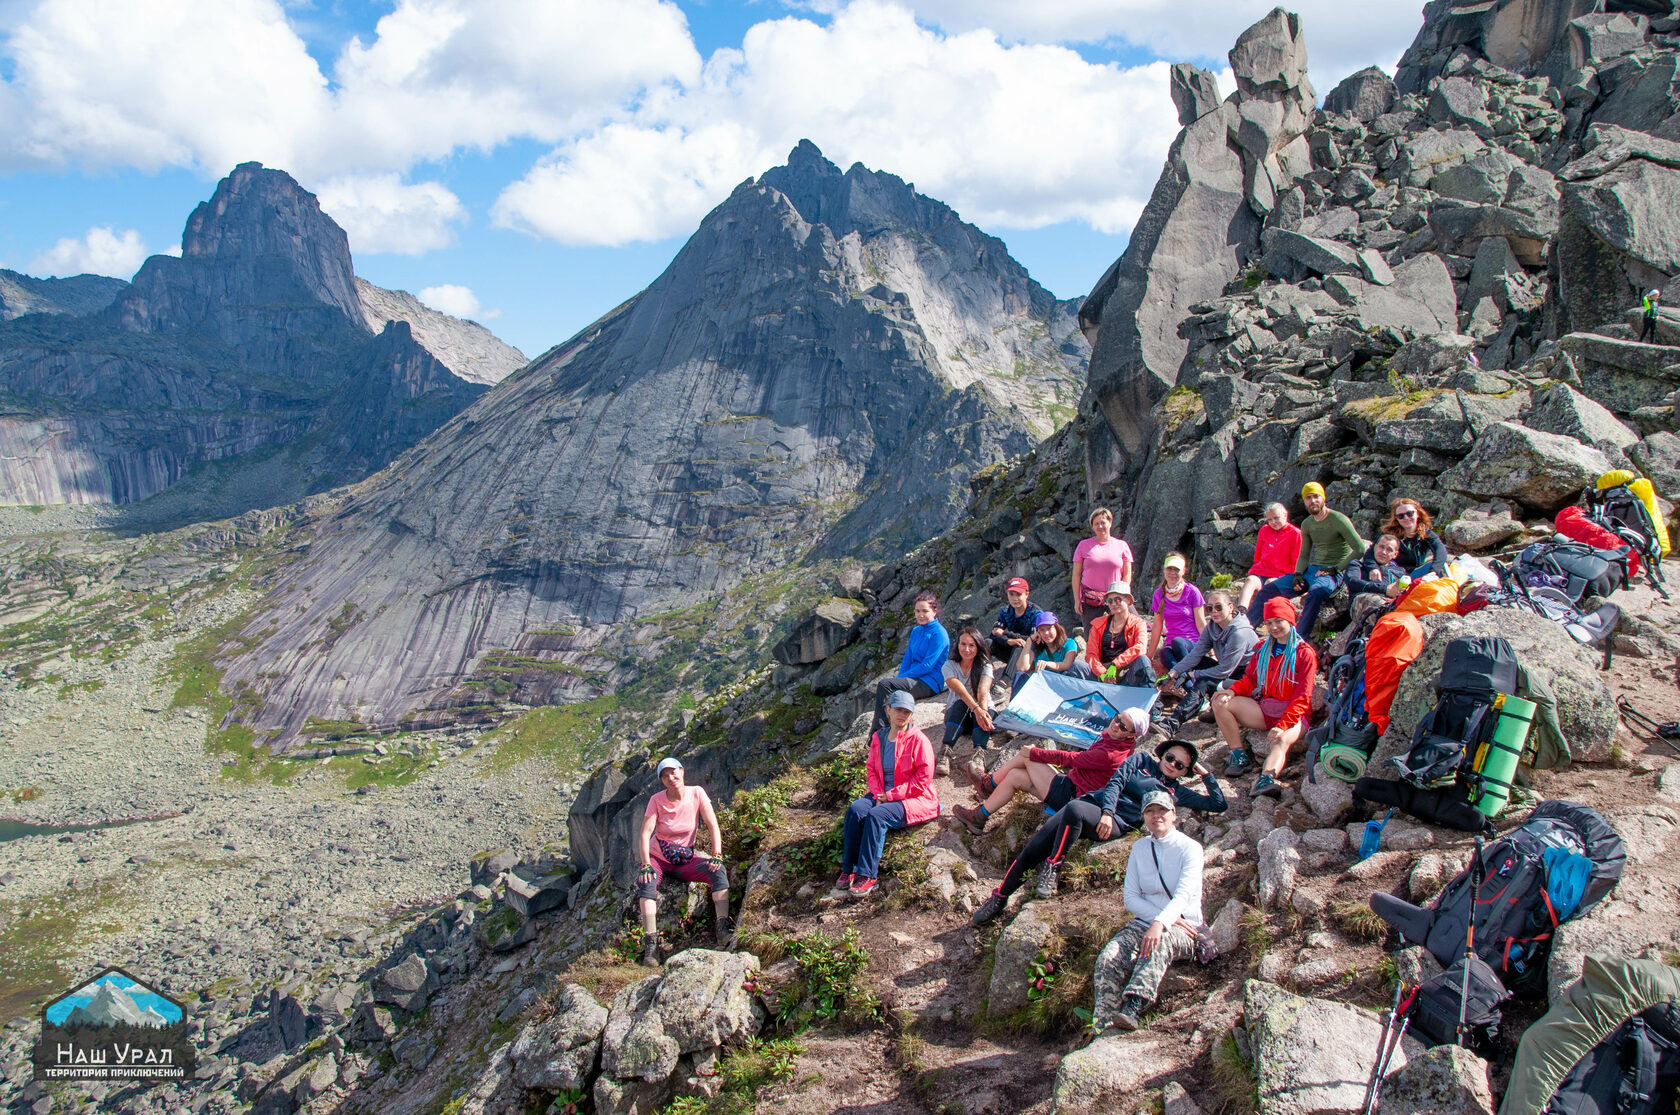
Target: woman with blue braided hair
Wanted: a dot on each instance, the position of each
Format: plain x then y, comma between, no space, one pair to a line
1274,694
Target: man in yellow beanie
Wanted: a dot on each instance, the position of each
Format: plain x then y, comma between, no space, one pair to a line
1329,543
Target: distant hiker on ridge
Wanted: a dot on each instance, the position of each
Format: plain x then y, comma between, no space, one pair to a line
1648,326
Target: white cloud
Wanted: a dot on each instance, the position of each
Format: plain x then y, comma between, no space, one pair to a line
382,214
103,251
1341,36
1017,136
456,301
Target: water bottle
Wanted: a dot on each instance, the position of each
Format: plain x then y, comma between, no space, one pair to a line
1373,836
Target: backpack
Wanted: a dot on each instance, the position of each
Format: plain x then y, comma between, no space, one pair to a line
1620,510
1531,884
1435,1011
1475,673
1347,737
1634,1071
1583,570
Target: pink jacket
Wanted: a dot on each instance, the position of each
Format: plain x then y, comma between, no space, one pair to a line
912,775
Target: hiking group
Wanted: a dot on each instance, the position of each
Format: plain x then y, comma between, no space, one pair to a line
1244,657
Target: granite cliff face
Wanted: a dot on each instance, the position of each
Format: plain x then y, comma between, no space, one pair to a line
468,349
821,368
254,343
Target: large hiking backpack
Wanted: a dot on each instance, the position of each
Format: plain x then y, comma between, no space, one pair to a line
1619,509
1556,866
1576,568
1475,673
1607,1045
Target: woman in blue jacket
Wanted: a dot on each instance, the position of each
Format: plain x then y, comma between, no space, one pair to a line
921,672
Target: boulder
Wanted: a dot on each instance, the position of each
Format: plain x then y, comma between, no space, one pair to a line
558,1054
538,896
1461,102
1478,529
1658,457
1564,410
1017,947
1543,471
1327,797
1279,859
1226,929
1586,708
1420,300
1364,96
1175,1099
1645,102
1271,55
1604,36
698,1003
406,985
1481,179
632,1097
1312,1055
1622,375
1423,155
287,1022
1445,1080
1195,92
1292,256
1492,274
1620,234
833,624
1091,1079
486,866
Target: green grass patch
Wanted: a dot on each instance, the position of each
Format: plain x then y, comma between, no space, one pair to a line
753,815
829,985
36,934
399,768
744,1071
92,685
566,736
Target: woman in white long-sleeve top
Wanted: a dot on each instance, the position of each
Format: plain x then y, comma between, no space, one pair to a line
1164,896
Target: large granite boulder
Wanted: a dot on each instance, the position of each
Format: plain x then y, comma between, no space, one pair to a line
1620,235
1110,1069
558,1054
1564,410
1543,471
1445,1080
1420,300
1364,96
832,625
1312,1055
1622,374
1585,706
1195,92
1017,947
699,1002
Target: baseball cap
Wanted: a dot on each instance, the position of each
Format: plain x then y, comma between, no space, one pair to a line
1015,584
667,764
900,698
1159,797
1124,588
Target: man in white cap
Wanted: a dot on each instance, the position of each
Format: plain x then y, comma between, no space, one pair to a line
1648,326
1164,896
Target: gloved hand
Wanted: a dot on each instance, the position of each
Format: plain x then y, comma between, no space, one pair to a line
1300,583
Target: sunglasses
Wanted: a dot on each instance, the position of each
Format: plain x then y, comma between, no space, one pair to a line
1405,514
1216,607
1175,762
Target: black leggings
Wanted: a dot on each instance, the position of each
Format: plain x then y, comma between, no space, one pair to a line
913,686
1077,820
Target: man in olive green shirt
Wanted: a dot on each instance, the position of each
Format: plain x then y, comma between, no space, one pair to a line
1328,543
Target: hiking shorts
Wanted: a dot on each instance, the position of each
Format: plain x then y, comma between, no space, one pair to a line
1061,792
695,870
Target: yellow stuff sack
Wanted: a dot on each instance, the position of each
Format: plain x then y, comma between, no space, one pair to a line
1645,493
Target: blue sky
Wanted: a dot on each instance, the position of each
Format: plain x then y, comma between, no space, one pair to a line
532,163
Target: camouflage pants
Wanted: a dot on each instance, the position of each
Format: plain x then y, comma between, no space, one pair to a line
1121,972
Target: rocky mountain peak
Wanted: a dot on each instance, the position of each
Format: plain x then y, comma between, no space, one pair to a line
260,243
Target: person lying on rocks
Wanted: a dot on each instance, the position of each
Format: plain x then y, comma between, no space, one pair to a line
1013,631
1163,893
1112,811
921,672
1274,695
668,846
899,773
1117,645
1222,649
968,695
1053,649
1276,547
1329,543
1098,561
1180,614
1032,771
1421,549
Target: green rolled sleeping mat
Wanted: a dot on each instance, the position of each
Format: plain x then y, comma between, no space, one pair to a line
1344,763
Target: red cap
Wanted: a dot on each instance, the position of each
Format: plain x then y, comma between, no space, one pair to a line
1279,608
1015,584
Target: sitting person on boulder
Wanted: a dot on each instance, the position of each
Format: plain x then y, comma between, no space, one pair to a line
1012,633
1163,893
1329,543
1116,644
1112,811
899,773
1220,652
668,845
1276,547
1373,581
1032,771
921,672
968,695
1274,695
1053,649
1180,615
1421,549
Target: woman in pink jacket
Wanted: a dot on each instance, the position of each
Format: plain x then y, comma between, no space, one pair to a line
901,793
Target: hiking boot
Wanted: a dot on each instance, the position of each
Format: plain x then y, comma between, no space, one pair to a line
723,931
981,784
843,881
1045,886
942,765
1238,762
971,817
1266,787
1170,688
650,952
862,885
1131,1007
989,909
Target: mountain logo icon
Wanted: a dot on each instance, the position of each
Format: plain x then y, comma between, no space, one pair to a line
114,1027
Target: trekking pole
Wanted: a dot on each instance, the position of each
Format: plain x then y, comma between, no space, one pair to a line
1666,732
1399,1036
1476,876
1382,1045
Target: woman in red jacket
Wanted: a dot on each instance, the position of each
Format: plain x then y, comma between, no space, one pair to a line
901,793
1275,694
1032,770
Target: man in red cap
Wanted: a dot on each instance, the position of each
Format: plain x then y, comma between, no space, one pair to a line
1274,694
1013,631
